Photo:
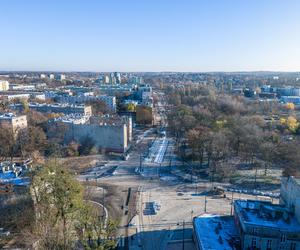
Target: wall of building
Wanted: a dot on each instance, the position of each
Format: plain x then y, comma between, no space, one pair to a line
84,110
289,192
10,97
4,85
16,123
19,122
264,243
110,101
107,137
261,235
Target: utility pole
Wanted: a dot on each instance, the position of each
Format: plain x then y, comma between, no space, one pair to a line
231,208
140,162
255,178
158,169
103,211
205,203
183,235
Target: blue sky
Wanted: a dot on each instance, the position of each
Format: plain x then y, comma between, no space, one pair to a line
150,35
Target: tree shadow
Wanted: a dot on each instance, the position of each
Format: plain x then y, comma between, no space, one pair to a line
160,238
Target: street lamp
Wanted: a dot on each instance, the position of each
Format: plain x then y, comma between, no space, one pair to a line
183,224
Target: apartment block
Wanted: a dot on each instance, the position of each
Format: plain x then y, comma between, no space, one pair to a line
12,121
4,85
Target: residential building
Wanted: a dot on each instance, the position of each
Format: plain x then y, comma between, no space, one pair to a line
267,95
266,89
237,91
114,119
144,94
117,76
40,85
23,95
28,87
57,108
288,91
14,95
248,92
73,119
14,122
60,77
266,226
4,85
290,194
113,80
51,76
110,101
290,99
214,232
42,76
83,97
114,89
38,95
136,80
106,79
107,134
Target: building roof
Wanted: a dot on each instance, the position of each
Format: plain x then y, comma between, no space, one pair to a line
112,120
57,105
7,116
73,119
215,231
296,180
266,214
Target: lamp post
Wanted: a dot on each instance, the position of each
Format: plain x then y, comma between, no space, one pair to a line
183,224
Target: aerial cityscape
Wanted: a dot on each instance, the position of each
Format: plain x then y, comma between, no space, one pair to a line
150,125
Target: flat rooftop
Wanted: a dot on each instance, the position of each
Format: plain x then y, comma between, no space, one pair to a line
7,116
52,105
73,118
266,214
215,231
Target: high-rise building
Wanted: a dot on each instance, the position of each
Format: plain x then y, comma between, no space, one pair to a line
51,76
106,79
60,77
136,80
118,77
112,78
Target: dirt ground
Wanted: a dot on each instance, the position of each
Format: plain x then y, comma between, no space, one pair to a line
81,163
114,198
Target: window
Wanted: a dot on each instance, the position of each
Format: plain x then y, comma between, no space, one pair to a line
293,246
255,230
269,244
253,244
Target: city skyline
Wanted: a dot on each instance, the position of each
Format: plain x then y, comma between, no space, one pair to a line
150,36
